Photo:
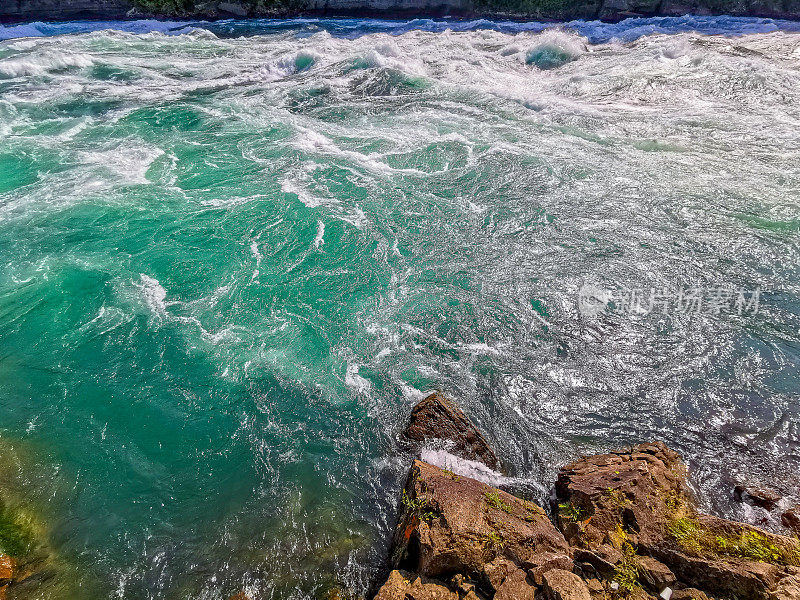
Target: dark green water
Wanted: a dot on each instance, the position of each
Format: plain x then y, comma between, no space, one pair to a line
229,267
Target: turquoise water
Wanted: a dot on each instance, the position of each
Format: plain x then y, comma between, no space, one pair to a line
233,259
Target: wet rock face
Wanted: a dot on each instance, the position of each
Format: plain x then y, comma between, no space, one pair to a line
791,519
564,585
437,418
408,586
762,497
452,525
631,518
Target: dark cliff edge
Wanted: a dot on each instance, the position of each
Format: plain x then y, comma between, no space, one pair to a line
62,10
542,10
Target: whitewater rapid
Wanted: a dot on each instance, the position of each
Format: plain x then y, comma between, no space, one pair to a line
234,254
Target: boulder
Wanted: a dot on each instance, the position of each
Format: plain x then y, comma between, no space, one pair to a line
436,417
655,574
628,488
733,577
622,507
762,497
564,585
791,518
462,585
603,559
402,585
516,586
450,524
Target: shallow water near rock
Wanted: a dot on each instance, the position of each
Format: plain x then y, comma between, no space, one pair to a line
234,258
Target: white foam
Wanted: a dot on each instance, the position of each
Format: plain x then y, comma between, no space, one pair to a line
355,381
258,256
129,163
292,186
154,294
464,467
44,63
320,238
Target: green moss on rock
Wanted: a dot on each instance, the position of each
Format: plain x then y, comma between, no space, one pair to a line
18,531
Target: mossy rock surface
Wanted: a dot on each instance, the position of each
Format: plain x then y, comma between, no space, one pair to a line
18,531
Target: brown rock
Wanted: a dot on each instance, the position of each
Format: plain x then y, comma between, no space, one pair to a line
460,584
402,585
765,498
603,558
6,569
791,518
496,571
787,589
558,561
628,488
689,594
655,574
595,588
638,501
734,577
451,525
516,587
436,417
564,585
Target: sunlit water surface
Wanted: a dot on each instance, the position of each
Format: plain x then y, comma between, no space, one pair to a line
232,260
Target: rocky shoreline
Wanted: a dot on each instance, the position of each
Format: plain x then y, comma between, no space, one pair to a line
18,11
621,525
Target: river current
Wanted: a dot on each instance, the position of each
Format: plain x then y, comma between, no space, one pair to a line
233,255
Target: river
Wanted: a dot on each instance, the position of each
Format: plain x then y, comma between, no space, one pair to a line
235,254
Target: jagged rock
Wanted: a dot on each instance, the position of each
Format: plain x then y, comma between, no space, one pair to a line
436,417
496,571
402,585
627,488
462,585
787,589
761,497
791,518
655,574
595,586
558,561
564,585
603,559
735,577
516,587
449,524
637,501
